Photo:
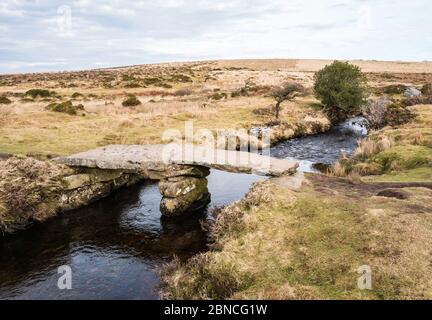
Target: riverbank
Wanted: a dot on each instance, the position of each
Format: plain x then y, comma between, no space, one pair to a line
33,190
290,241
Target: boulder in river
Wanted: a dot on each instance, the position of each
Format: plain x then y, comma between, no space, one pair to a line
185,195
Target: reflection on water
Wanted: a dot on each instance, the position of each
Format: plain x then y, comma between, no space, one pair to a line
114,246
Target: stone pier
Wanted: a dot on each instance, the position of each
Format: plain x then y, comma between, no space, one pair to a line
184,193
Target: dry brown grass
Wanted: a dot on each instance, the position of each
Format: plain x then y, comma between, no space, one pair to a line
26,184
28,128
368,147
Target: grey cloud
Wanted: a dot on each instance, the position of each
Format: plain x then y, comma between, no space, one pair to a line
131,32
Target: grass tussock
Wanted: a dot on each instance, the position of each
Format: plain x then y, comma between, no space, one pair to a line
367,147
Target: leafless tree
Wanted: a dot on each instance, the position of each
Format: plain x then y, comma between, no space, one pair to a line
286,93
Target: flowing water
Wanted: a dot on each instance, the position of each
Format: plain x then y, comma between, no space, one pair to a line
321,150
116,246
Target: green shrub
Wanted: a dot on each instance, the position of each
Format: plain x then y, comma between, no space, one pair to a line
65,107
76,95
125,77
342,88
131,101
402,158
42,93
4,100
151,81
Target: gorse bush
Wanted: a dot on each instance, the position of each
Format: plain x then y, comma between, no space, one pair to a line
42,93
65,107
131,101
157,82
342,89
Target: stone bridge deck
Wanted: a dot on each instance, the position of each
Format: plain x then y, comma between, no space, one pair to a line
158,158
180,169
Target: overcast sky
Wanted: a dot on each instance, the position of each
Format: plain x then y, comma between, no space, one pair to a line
39,35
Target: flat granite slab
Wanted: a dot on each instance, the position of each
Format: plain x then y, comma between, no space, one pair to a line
159,157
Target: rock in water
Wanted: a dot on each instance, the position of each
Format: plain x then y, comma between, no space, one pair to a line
182,195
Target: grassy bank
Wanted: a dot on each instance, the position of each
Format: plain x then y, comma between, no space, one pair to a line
308,243
402,153
282,244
